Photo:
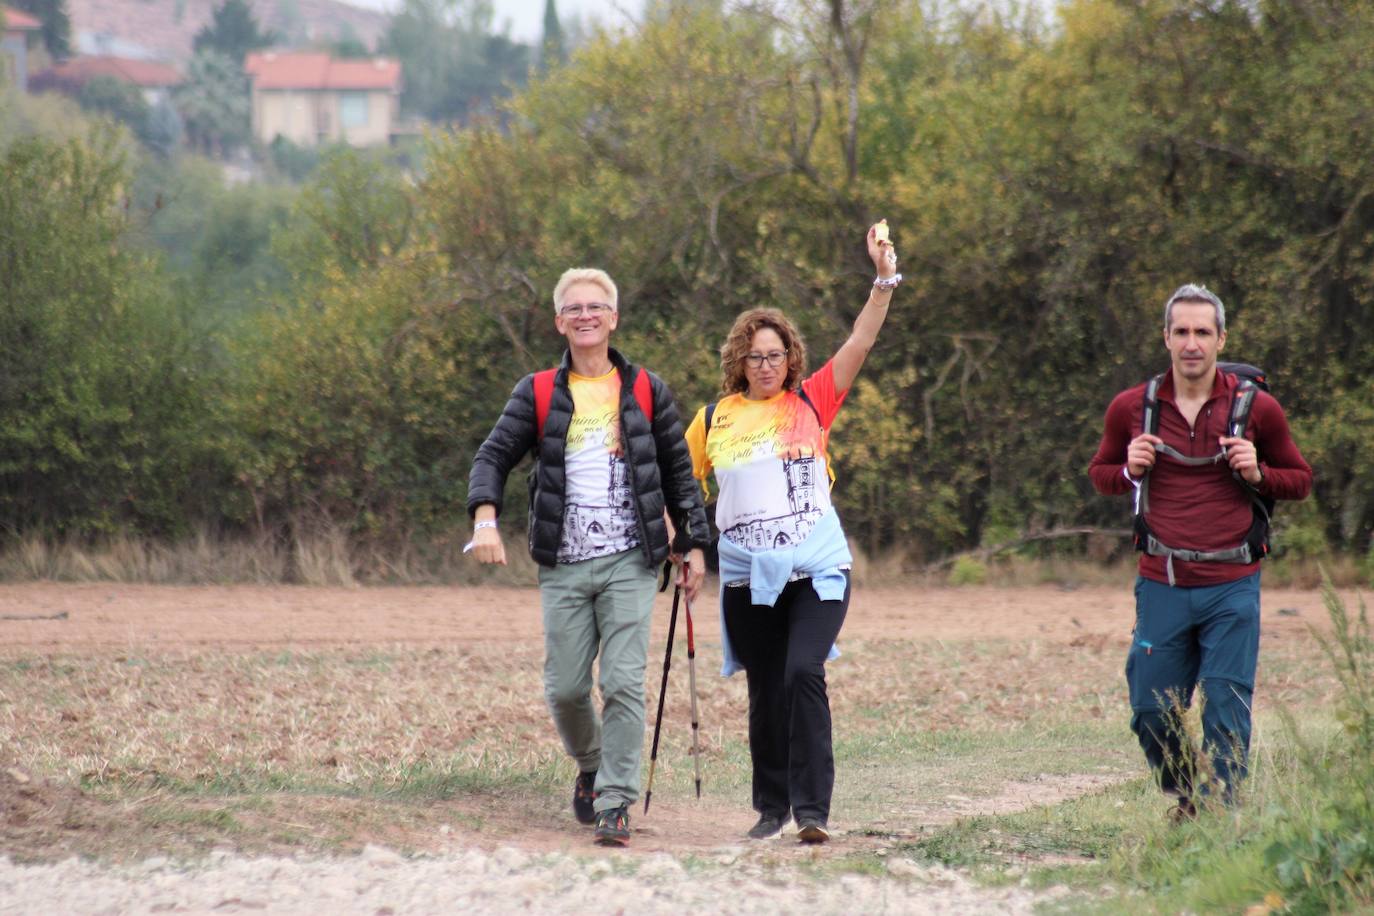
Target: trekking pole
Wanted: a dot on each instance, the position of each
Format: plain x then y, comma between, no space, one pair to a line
692,680
662,691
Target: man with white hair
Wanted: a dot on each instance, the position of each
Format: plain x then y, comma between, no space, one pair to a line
610,457
1205,474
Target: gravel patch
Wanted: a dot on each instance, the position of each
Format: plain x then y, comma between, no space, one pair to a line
379,882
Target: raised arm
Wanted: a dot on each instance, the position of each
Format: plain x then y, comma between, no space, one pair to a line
849,359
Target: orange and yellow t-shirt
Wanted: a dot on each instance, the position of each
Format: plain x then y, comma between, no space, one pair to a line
770,462
598,503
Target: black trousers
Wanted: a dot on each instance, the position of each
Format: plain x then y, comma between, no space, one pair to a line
783,650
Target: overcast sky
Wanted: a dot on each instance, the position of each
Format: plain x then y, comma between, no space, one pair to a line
526,17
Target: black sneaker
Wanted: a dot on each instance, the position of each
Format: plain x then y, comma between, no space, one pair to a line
812,830
769,826
584,793
613,826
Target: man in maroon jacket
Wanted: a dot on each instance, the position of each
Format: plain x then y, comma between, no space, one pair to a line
1198,586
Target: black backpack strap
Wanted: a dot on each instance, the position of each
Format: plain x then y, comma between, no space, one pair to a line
1149,412
1149,423
710,412
1242,402
807,399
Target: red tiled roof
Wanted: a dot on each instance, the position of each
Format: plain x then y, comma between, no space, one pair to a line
288,70
19,21
145,74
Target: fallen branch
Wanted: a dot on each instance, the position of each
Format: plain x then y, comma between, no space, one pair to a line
60,615
1053,534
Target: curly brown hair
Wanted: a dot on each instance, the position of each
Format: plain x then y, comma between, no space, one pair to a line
741,337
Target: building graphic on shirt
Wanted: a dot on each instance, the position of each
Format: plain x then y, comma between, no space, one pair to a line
801,483
598,530
784,530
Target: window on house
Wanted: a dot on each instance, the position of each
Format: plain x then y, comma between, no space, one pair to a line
352,109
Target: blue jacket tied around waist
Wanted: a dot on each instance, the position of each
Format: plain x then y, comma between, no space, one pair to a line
820,556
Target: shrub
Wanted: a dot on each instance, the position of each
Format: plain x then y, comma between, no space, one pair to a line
968,571
1328,865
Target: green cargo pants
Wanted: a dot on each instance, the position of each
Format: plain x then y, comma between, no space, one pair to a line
604,604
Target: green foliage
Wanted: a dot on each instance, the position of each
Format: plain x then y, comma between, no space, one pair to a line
57,24
369,428
233,31
1326,864
968,571
295,162
120,100
215,238
99,393
552,50
1047,187
456,66
214,103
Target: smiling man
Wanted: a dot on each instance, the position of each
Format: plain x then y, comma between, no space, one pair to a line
609,459
1203,492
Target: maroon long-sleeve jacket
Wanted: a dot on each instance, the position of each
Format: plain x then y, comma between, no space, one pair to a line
1199,507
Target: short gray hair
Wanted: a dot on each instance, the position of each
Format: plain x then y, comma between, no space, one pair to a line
585,275
1191,292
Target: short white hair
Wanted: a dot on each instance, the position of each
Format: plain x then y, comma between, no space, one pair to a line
585,275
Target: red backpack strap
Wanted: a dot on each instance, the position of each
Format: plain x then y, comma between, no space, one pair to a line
644,394
543,397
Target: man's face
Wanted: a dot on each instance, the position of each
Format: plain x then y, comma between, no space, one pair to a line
586,319
1193,340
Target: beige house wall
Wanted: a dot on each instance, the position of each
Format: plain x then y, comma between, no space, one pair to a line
308,117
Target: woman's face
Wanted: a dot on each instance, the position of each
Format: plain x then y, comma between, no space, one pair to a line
765,379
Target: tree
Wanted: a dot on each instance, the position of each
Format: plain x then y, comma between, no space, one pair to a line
551,50
214,103
99,383
57,25
233,31
118,99
455,65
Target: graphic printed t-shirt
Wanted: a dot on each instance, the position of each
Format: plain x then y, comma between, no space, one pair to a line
769,458
598,506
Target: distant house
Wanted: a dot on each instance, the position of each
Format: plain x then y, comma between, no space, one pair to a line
311,98
155,80
20,33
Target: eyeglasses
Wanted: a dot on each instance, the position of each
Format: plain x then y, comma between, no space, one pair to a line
774,358
591,309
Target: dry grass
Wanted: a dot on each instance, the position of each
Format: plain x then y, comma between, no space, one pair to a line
321,556
326,555
374,719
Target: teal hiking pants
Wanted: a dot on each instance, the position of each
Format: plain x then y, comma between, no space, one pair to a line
1207,637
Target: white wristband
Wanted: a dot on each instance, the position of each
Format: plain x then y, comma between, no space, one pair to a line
891,282
467,548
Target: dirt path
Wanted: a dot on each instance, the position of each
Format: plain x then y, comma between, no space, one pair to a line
530,861
48,617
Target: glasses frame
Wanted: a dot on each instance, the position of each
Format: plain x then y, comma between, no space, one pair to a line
590,309
756,360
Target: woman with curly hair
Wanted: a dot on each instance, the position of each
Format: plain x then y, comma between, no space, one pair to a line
784,560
